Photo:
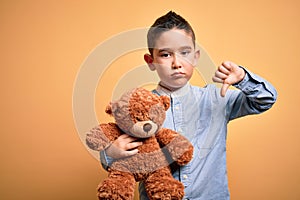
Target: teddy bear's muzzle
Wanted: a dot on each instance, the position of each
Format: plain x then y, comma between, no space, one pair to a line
143,129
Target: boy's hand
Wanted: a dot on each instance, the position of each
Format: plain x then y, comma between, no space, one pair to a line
123,146
228,73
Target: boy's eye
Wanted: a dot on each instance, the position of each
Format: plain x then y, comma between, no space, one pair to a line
185,53
165,55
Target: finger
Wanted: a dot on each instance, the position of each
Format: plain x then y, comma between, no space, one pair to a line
221,75
217,80
227,65
224,70
133,145
224,89
130,153
124,136
127,138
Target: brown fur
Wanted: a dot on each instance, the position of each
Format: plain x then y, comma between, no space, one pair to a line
150,163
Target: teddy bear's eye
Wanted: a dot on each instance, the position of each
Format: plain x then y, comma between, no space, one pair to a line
138,119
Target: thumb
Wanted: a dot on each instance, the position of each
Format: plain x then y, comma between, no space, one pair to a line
224,89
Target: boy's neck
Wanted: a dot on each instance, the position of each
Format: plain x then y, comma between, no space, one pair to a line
167,88
177,91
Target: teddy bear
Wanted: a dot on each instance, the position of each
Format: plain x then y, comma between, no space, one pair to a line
140,113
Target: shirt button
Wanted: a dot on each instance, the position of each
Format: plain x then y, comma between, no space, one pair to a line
177,107
185,176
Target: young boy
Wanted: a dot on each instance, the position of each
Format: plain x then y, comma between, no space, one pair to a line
200,114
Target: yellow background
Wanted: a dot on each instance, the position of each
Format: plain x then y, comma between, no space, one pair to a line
44,43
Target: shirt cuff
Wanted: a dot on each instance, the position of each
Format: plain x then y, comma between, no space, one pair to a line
252,83
105,160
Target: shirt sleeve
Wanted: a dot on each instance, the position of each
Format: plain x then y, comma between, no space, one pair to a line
105,160
255,95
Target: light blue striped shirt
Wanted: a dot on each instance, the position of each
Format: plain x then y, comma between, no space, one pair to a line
202,115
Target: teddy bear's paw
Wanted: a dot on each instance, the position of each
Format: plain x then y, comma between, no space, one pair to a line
161,185
171,190
109,191
109,195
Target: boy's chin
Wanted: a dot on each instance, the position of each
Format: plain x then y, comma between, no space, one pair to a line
173,87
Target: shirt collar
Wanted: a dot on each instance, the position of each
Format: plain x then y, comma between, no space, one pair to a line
177,93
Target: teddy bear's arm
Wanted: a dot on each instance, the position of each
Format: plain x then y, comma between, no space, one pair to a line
102,135
179,148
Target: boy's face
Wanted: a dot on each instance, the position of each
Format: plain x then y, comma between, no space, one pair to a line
174,58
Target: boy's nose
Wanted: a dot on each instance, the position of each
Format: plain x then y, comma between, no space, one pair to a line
176,64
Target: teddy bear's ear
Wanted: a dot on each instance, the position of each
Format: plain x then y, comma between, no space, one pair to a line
108,109
165,101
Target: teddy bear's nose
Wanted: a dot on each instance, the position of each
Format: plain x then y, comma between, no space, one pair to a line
147,127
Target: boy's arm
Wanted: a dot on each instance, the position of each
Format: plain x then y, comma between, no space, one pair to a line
256,95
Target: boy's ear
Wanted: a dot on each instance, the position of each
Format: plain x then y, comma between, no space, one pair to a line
149,60
196,57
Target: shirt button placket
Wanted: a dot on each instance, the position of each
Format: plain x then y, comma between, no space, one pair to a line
177,114
185,176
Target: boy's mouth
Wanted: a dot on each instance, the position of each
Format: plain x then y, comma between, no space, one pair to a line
178,74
